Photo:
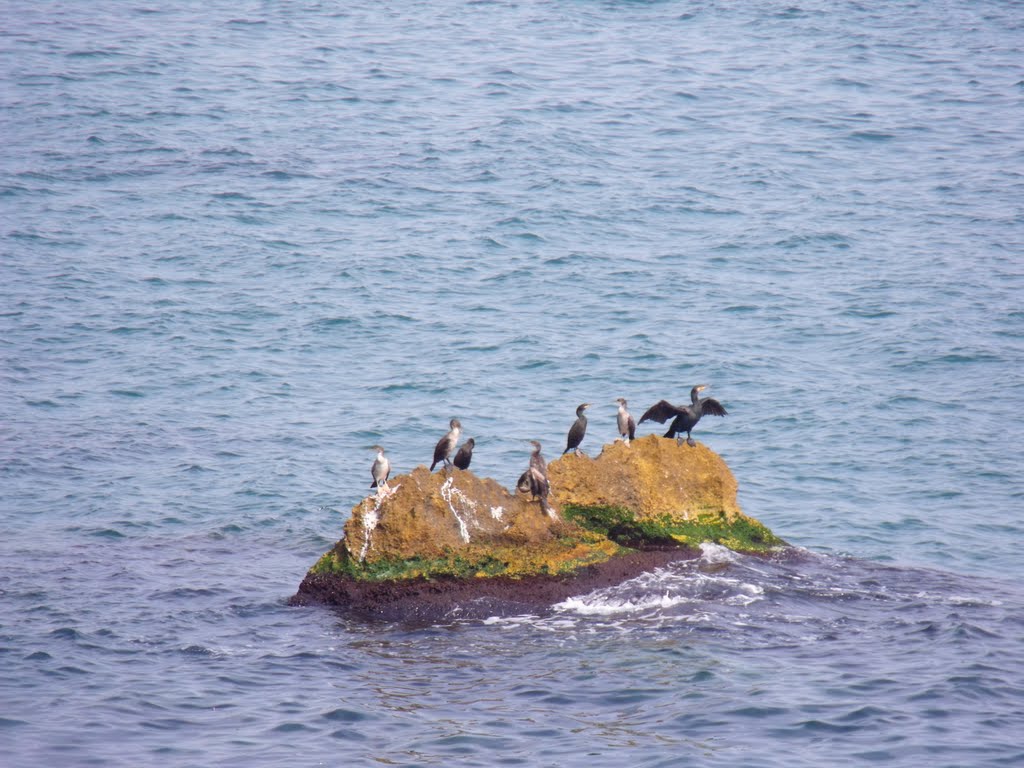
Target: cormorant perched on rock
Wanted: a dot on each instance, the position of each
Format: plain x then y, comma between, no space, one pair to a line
380,470
535,480
537,461
447,444
687,416
465,454
627,425
577,431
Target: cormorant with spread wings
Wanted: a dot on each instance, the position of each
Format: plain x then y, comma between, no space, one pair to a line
684,418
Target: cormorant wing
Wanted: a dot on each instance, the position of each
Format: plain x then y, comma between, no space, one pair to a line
538,483
523,484
632,428
576,434
440,451
711,406
661,412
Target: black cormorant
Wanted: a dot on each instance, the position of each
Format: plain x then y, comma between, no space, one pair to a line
447,444
465,454
687,416
577,431
627,425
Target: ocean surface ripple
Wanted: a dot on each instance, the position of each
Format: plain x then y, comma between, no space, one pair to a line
244,241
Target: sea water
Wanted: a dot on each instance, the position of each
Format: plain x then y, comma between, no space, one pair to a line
242,242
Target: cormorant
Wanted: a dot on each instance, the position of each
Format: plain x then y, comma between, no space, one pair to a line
687,416
447,444
465,454
627,425
380,470
577,431
537,461
535,480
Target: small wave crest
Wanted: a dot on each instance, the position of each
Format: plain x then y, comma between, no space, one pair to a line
683,590
609,605
716,553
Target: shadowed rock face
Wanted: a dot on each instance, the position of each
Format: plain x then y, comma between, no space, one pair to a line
444,598
443,540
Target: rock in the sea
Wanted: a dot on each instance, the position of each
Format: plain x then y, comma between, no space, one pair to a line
654,491
458,525
442,542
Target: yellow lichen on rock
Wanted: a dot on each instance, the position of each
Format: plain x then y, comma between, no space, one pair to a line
456,523
652,477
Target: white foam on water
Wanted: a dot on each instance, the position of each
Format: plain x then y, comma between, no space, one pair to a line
667,588
742,600
605,606
963,600
716,553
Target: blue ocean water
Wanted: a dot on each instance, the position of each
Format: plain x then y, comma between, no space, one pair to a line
242,242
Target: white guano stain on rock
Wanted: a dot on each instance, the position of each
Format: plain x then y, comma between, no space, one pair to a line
371,516
450,492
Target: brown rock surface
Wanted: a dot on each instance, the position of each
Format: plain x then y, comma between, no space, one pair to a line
428,515
454,523
652,477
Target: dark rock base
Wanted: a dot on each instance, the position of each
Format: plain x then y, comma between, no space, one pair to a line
439,599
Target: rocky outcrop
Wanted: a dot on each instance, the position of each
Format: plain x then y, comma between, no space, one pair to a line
441,542
654,491
456,524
